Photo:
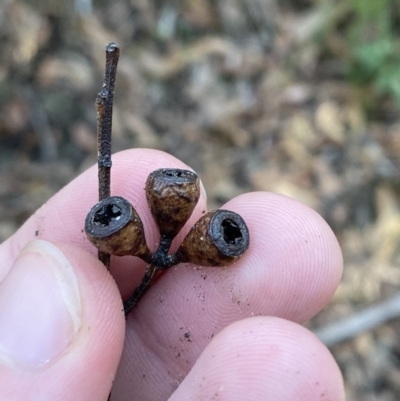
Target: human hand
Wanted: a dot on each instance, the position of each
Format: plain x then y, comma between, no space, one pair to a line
218,333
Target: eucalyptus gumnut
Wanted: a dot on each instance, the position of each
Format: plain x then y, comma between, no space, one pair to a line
114,227
219,238
172,195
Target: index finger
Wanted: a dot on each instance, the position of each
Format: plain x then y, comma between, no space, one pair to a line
62,218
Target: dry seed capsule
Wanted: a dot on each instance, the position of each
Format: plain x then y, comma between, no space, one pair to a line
114,227
218,239
172,194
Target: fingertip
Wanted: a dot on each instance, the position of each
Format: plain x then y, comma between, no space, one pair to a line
128,179
293,249
263,358
62,217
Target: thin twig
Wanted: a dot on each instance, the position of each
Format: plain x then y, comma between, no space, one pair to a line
365,320
144,285
104,108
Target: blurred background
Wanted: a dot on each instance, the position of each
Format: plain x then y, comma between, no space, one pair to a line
299,97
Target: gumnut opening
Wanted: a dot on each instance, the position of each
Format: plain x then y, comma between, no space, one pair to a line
114,227
219,238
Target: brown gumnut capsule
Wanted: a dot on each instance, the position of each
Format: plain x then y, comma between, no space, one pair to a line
114,227
172,194
219,238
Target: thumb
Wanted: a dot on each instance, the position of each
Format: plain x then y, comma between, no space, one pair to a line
61,326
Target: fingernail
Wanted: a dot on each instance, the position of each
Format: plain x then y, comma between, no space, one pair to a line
40,306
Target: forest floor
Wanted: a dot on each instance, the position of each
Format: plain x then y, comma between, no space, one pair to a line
243,94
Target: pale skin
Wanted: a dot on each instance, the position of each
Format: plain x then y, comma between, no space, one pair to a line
200,333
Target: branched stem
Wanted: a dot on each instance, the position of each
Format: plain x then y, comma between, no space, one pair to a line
142,288
104,109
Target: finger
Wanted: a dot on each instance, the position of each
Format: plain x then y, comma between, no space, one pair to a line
61,338
295,262
263,359
62,217
291,269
